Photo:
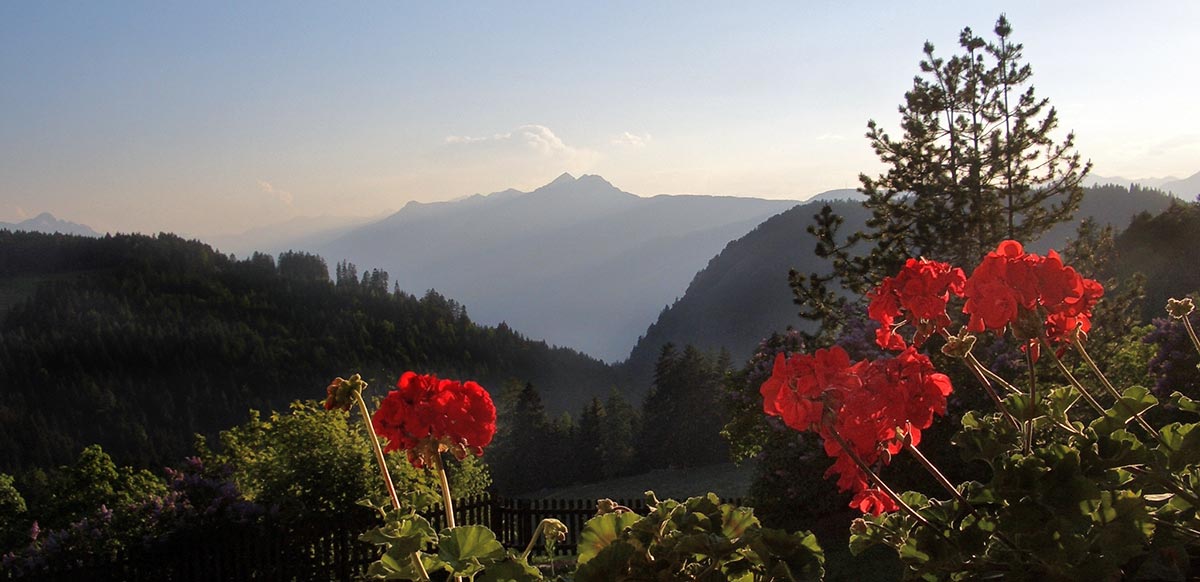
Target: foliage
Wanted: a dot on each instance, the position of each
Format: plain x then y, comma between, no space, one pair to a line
1072,492
312,460
698,539
1175,365
131,516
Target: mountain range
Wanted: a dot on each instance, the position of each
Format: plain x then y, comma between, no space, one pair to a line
47,223
1186,188
577,262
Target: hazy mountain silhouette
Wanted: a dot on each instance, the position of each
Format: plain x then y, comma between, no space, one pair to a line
1187,188
302,233
47,223
839,194
577,262
743,295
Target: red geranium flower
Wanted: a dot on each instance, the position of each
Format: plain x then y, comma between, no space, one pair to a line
919,292
874,502
428,415
798,386
870,405
1012,286
898,398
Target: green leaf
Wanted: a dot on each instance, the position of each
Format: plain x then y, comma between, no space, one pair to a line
608,565
736,520
510,569
409,533
463,547
1134,401
1178,400
394,566
1182,445
602,530
799,552
984,438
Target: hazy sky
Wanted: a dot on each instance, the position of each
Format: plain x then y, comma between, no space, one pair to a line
205,118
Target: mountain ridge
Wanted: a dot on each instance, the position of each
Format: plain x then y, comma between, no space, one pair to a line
577,262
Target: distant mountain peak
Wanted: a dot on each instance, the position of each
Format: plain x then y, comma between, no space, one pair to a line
48,223
564,178
595,179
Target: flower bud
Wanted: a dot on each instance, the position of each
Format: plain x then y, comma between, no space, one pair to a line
605,506
1180,308
959,346
342,393
554,529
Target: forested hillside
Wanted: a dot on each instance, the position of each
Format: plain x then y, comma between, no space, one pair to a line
742,295
136,343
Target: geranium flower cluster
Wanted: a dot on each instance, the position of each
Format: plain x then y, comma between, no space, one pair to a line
873,406
1012,288
427,415
919,292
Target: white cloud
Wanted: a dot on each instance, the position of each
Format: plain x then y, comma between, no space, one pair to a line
539,138
632,140
527,144
453,139
281,195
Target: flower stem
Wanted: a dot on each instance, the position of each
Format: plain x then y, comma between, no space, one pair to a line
945,483
379,458
1087,396
975,367
1117,395
940,478
447,502
1187,324
997,378
387,476
1032,400
536,532
862,465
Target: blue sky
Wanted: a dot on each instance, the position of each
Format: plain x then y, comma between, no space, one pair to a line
209,118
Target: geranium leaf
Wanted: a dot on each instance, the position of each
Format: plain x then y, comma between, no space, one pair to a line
463,547
602,530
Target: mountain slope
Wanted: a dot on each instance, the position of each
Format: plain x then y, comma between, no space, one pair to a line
743,295
137,343
577,262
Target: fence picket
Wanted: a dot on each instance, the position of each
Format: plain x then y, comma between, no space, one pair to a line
327,549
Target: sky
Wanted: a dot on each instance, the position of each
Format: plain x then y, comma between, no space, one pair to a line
209,118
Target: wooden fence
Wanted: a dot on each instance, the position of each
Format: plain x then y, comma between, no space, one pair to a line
303,550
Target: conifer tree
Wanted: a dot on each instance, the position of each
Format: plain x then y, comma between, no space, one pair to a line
588,455
618,434
977,162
